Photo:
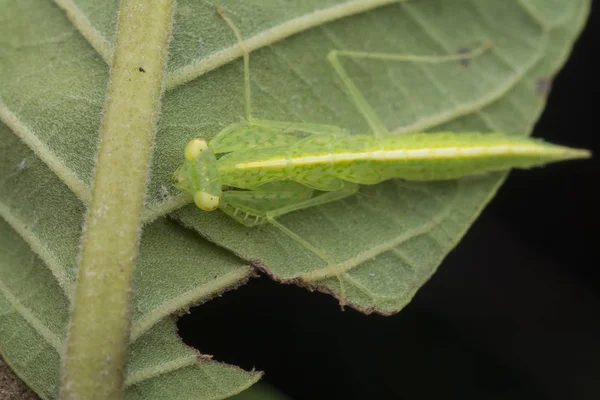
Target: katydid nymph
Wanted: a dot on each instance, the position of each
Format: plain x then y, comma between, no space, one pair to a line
259,170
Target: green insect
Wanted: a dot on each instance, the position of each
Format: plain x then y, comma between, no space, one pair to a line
271,168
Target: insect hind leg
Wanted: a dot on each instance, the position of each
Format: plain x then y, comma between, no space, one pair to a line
266,205
328,197
375,123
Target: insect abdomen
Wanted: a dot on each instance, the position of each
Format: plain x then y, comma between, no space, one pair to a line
441,156
319,161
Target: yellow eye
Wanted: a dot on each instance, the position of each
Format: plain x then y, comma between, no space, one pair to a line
194,148
206,201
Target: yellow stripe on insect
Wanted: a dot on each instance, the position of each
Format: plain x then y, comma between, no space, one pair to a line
428,153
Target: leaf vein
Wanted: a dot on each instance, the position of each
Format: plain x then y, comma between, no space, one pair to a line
44,153
270,36
38,247
161,369
424,229
87,29
50,337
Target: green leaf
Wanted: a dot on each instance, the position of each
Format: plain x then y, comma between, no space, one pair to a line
35,289
33,318
386,242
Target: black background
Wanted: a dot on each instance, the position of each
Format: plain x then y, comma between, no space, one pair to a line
512,313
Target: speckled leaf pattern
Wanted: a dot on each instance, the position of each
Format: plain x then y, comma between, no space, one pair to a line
385,242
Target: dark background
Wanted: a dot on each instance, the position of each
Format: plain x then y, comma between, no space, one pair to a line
512,313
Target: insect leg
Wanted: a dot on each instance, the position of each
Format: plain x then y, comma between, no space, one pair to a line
258,202
246,56
379,129
317,129
278,125
270,197
348,190
279,199
328,197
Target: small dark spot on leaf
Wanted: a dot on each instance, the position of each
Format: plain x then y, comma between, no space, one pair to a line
543,87
464,51
141,69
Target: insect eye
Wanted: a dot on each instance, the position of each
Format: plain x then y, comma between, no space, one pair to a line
194,148
206,201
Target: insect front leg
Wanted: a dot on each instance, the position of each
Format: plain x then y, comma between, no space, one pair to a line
253,207
348,190
250,207
377,126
